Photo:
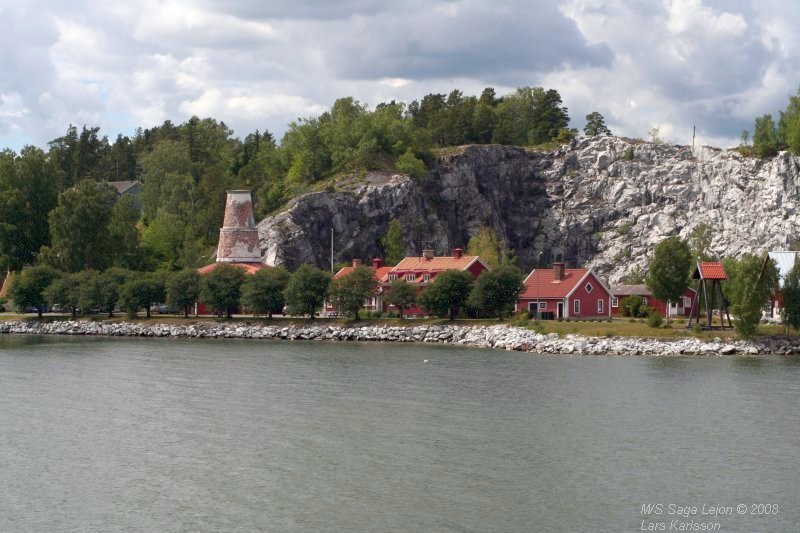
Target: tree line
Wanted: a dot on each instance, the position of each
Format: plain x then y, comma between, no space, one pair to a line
771,135
55,210
269,290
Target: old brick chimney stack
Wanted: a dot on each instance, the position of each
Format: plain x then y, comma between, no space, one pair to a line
558,271
377,263
238,237
356,263
428,254
457,253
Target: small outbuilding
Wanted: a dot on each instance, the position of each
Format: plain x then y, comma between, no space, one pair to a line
680,308
560,292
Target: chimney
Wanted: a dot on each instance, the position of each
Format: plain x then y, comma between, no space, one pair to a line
238,237
458,253
427,253
377,263
356,263
558,271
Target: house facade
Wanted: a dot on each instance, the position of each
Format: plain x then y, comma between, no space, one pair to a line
784,261
619,293
381,275
560,292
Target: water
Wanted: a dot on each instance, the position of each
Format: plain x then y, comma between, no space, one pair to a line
185,435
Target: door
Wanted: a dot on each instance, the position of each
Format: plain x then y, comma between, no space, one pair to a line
560,310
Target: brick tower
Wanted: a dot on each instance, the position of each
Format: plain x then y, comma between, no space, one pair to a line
238,237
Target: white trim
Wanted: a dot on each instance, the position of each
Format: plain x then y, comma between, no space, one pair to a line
478,259
601,305
615,302
412,275
589,272
426,277
588,287
576,306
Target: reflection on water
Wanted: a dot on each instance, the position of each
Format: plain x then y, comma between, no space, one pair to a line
186,435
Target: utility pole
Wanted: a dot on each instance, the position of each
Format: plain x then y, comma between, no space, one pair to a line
331,250
694,130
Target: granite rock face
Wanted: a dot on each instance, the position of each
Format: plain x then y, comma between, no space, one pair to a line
602,202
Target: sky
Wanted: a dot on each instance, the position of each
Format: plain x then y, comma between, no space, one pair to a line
671,64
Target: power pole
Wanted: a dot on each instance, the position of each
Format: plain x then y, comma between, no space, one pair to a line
694,130
331,250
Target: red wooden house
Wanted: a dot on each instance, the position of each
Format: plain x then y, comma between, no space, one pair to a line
560,292
680,308
381,274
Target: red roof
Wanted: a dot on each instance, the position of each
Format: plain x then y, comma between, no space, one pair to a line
710,271
249,268
436,264
382,274
541,284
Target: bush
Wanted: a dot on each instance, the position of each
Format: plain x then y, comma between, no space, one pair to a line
628,156
409,164
697,328
654,319
521,319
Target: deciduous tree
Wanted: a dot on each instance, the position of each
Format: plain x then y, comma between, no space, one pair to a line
447,293
497,290
182,289
349,292
669,269
28,287
402,295
221,288
262,292
306,290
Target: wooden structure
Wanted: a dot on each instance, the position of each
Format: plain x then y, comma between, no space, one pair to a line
559,292
713,274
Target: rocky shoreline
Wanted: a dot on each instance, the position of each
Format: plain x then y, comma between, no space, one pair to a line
501,337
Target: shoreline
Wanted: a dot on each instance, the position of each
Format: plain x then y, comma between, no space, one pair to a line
500,337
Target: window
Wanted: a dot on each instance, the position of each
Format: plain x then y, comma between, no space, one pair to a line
542,305
687,302
588,287
410,277
601,304
576,307
392,277
614,301
426,277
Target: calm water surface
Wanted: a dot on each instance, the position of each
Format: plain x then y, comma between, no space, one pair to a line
181,435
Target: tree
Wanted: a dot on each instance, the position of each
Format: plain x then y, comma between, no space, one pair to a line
27,289
497,290
409,164
221,288
655,135
349,292
79,228
122,233
394,249
700,240
401,295
669,269
66,292
262,292
447,294
305,292
765,136
790,314
595,125
750,284
142,291
182,290
488,246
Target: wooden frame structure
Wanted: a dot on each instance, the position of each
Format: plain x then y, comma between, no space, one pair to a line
714,273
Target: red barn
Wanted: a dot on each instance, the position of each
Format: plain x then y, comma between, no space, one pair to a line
680,308
560,292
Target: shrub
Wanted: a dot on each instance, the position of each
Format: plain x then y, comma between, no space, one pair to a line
654,319
628,156
697,328
521,319
409,164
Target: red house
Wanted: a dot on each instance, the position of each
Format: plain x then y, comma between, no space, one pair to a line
418,271
561,292
680,308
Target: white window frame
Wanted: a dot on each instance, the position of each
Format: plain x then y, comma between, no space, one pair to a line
426,277
614,301
542,305
392,277
410,277
588,287
687,301
576,307
601,305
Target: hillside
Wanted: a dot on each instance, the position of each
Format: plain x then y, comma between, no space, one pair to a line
602,201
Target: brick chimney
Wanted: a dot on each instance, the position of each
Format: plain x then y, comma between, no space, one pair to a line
377,263
427,253
558,271
356,263
238,237
457,253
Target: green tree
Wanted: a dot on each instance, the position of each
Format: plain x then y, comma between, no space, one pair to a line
634,306
142,292
637,276
497,290
66,292
306,290
394,248
79,228
409,164
28,287
765,136
221,288
182,289
402,295
349,292
262,292
750,284
790,313
123,235
669,269
700,241
530,115
488,246
595,125
447,293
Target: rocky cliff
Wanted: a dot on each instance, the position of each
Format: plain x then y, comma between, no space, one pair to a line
602,202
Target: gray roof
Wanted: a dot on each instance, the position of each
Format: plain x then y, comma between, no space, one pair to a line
629,290
784,259
123,186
